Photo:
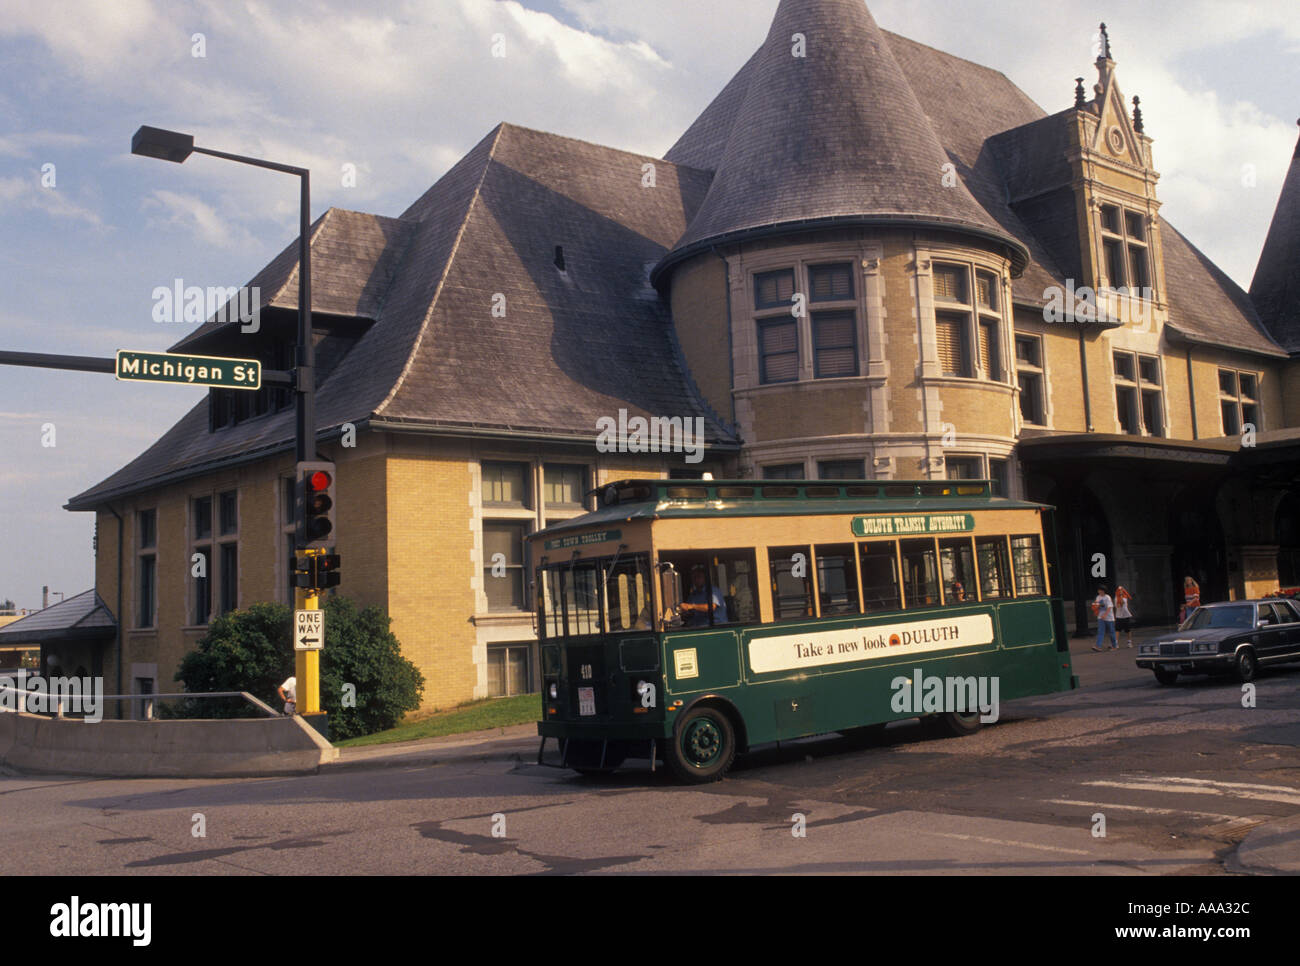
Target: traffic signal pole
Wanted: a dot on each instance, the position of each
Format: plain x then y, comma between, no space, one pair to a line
306,664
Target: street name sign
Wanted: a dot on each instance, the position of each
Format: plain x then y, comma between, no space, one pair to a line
133,366
308,630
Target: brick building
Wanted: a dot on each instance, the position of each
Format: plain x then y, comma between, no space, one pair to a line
866,258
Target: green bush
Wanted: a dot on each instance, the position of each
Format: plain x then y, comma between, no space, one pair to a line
252,650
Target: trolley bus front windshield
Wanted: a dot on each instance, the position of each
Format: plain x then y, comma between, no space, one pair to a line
589,597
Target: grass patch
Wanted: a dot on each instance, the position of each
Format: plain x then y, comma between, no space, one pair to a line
480,715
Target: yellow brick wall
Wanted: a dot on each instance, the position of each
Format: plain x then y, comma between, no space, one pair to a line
801,412
430,541
699,307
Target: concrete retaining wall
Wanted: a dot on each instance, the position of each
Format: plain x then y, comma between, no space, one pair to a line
223,748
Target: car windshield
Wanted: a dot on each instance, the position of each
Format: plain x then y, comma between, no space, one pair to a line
1208,617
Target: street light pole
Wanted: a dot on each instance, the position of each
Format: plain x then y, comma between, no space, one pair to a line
176,147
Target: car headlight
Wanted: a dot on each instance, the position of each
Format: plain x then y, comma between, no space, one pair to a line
1148,648
1204,648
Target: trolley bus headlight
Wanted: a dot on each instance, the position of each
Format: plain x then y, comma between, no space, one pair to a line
554,691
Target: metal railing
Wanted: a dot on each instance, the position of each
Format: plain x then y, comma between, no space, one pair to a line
145,710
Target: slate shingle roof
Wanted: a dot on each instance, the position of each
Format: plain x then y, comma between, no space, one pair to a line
836,134
1275,289
353,259
574,345
83,616
1009,155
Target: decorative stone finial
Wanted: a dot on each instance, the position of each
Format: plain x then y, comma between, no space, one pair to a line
1080,98
1137,114
1105,43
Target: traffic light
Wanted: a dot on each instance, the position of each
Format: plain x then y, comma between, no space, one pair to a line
315,505
316,572
327,570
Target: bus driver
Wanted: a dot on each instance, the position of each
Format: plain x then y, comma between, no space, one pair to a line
699,602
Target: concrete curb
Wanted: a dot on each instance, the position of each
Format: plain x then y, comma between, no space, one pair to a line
185,748
1269,849
516,743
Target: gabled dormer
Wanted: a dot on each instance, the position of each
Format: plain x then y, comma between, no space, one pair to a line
1115,192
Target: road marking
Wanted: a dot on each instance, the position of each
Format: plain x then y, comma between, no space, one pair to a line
1102,806
1019,845
1288,796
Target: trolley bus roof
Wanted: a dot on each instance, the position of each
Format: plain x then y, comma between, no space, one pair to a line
652,499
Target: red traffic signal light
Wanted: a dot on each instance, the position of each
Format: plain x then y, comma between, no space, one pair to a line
315,505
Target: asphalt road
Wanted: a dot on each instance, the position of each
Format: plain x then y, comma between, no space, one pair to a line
1181,774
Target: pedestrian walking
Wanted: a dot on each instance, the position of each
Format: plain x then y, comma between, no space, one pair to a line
1105,610
1123,615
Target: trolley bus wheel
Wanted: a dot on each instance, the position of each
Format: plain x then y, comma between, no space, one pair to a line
703,745
958,723
1164,675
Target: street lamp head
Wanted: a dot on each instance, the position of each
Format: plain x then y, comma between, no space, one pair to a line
154,142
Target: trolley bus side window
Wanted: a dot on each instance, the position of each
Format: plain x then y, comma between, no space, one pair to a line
957,564
791,583
880,576
1027,562
995,572
837,579
920,573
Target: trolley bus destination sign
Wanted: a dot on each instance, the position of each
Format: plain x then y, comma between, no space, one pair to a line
226,373
582,540
917,524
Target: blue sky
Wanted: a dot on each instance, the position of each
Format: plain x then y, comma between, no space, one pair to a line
401,91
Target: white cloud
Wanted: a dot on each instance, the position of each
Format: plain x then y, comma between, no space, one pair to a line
28,193
196,216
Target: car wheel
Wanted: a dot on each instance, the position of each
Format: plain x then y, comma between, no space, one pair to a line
1246,666
1164,675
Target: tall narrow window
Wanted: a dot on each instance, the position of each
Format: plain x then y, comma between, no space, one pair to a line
1238,400
201,559
505,484
950,336
778,350
778,333
1029,376
227,551
1139,394
835,344
147,570
503,565
564,485
990,327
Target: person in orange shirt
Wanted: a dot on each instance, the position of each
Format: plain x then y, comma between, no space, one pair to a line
1124,616
1191,598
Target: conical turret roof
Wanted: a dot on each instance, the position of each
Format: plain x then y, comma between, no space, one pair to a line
1275,289
827,131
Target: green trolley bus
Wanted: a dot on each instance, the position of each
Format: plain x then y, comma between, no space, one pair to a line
691,620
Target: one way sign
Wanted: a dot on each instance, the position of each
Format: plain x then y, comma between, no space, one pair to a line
308,630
